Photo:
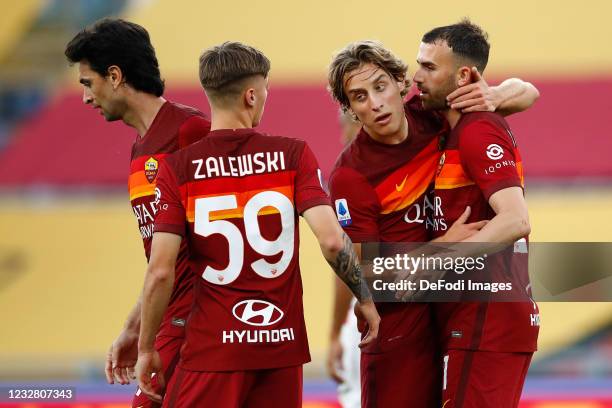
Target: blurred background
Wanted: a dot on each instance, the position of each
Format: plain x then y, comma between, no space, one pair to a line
71,259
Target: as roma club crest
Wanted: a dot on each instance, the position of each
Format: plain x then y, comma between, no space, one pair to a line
440,164
150,168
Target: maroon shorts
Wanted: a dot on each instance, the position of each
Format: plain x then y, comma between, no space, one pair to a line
169,351
406,376
270,388
483,379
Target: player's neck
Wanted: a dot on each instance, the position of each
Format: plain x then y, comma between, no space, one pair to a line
396,138
452,116
142,110
229,119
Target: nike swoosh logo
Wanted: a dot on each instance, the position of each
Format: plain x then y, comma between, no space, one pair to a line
400,187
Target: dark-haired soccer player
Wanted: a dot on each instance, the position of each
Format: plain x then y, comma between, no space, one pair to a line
235,196
379,186
120,76
487,347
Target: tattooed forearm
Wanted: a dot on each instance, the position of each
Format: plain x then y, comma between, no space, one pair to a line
346,266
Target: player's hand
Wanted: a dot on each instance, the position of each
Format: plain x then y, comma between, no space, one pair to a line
149,363
417,294
334,360
460,231
121,358
366,312
474,97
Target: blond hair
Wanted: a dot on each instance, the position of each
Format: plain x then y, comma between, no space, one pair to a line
356,54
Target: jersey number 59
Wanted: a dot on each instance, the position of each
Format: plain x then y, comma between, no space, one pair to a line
283,243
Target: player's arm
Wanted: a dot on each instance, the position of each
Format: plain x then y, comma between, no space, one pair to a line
503,187
511,96
461,230
511,220
132,323
515,95
158,285
123,352
337,249
342,300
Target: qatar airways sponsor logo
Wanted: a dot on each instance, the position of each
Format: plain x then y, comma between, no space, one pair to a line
428,212
258,313
239,166
145,214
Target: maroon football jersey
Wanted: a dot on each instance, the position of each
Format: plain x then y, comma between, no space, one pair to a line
236,196
481,158
174,127
380,192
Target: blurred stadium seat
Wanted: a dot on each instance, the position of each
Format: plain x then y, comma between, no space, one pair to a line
15,20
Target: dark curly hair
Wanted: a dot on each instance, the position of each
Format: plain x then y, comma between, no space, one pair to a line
466,39
118,42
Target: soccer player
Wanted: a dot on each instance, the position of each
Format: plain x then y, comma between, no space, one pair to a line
120,76
235,196
487,347
379,187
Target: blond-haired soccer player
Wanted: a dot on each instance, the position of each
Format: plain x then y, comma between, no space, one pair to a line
235,197
380,187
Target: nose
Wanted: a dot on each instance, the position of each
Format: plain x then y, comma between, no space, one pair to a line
87,99
417,77
376,104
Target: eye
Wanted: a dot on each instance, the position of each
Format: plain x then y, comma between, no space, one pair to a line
360,97
380,86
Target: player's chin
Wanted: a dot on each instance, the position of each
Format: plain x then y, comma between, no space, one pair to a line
110,117
430,103
389,129
425,101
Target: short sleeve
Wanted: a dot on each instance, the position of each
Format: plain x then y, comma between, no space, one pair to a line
170,216
192,130
489,156
308,184
356,204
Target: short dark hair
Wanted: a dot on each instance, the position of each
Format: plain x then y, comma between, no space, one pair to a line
225,68
356,54
466,39
118,42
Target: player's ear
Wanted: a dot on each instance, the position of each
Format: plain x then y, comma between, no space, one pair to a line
464,76
353,114
403,84
250,97
115,76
